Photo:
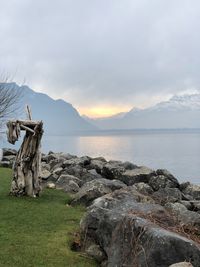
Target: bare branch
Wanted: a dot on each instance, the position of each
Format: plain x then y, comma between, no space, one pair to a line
10,96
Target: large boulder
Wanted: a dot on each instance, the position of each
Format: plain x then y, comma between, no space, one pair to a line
112,169
165,195
96,188
82,161
82,173
97,164
58,171
192,191
9,152
10,158
170,176
45,174
144,188
45,166
132,230
59,156
68,183
195,205
185,216
64,180
77,171
47,158
163,181
137,175
95,174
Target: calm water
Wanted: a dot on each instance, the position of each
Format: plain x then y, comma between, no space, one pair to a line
179,152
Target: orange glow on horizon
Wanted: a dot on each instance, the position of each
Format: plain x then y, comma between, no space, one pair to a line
102,111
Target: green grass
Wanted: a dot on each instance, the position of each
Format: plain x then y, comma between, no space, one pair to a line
36,232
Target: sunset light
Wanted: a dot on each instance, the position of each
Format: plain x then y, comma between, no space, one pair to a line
102,111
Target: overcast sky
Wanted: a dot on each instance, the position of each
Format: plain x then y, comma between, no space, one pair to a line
113,54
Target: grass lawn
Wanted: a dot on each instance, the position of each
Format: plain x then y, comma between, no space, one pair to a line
36,232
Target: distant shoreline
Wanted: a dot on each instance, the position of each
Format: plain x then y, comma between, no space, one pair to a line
128,132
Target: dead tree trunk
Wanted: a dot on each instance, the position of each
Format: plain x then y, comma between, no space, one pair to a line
26,180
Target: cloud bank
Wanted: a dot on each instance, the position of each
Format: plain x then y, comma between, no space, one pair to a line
108,52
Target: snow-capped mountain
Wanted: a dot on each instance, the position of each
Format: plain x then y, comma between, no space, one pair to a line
190,102
178,112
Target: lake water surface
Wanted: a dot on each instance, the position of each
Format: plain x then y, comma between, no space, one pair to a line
179,152
176,151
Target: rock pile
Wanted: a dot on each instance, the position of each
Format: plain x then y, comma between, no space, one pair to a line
135,216
8,157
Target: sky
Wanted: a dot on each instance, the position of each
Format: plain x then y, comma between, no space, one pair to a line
104,56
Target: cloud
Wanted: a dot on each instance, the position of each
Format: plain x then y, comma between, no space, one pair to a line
108,52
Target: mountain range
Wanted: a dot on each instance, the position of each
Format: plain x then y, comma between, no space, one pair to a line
59,117
178,112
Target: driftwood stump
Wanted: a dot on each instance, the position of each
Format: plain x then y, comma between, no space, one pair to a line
26,180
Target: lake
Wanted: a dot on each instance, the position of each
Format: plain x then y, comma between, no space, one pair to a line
175,150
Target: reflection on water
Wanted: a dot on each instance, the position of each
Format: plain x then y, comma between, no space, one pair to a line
177,152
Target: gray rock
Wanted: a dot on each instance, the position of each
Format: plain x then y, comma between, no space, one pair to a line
67,156
112,170
64,180
96,188
184,185
97,164
96,252
195,205
145,243
76,171
58,170
72,187
88,176
45,166
10,158
187,204
162,181
9,152
45,174
102,159
53,178
164,195
95,174
82,161
83,174
129,166
85,161
137,175
144,188
120,225
49,157
170,177
55,163
185,216
191,190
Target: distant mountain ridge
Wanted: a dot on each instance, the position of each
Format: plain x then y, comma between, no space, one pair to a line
59,117
178,112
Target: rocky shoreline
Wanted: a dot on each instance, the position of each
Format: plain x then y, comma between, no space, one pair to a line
135,216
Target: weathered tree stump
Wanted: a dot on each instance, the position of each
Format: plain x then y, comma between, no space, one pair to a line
26,180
